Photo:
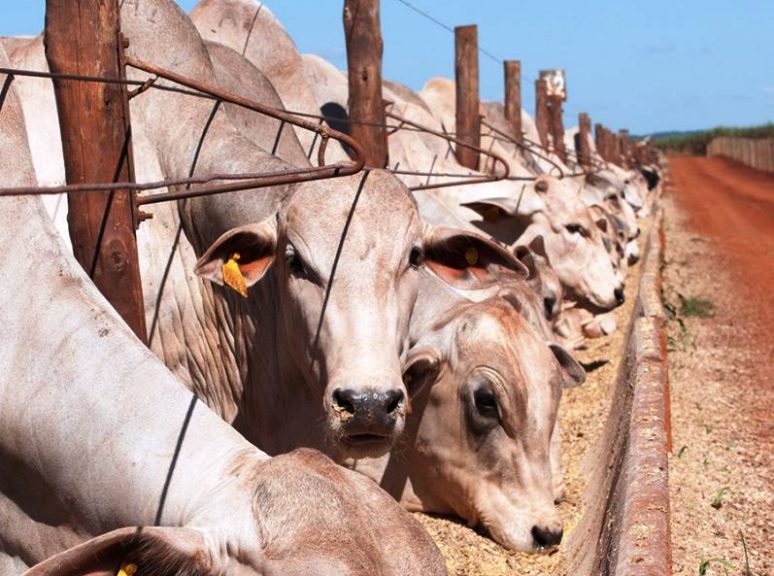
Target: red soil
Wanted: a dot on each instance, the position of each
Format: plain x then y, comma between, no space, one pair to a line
732,206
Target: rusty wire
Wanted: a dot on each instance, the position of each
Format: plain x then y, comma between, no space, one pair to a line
469,178
571,174
408,125
242,181
525,144
595,164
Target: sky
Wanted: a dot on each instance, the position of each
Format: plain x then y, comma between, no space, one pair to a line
648,66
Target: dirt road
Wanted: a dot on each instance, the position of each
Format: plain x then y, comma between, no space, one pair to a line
719,283
734,206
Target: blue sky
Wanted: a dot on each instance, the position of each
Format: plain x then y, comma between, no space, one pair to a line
648,66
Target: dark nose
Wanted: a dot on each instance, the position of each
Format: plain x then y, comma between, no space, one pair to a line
619,295
545,537
548,304
367,406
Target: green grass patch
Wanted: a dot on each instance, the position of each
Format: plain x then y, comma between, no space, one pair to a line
717,500
722,562
696,307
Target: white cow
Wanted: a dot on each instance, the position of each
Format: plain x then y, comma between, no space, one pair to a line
482,441
106,459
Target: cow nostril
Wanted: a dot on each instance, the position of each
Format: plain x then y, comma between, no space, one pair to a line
393,400
619,295
343,399
545,537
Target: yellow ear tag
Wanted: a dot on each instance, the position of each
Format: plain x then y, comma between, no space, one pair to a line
232,275
127,569
471,256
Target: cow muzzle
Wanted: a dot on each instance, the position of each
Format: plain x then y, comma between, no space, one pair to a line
368,421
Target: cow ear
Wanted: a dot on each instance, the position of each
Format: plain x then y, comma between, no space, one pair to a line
468,260
538,246
493,209
135,550
573,373
246,252
421,369
527,258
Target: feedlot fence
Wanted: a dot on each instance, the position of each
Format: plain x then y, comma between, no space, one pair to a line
756,153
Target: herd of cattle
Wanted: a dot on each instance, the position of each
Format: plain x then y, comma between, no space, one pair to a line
395,351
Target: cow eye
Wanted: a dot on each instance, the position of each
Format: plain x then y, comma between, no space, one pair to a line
486,403
576,229
416,257
294,262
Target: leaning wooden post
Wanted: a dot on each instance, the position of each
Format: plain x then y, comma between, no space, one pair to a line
364,65
541,111
466,75
82,37
513,95
582,147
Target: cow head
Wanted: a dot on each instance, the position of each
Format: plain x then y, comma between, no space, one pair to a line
484,420
543,279
571,237
345,258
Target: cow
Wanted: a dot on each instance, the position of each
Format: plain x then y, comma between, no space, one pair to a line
482,440
573,242
106,460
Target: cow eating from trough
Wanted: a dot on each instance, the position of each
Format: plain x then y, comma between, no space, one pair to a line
482,441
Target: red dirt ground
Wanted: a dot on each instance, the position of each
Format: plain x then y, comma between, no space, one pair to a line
734,205
720,247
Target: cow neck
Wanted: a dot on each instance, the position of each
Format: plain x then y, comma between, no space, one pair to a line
105,427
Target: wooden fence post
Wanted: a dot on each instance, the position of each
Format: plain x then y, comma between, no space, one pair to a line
582,147
542,122
626,142
616,139
604,145
513,95
364,66
82,37
599,140
466,75
557,127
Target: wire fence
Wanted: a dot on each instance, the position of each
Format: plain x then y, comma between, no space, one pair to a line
240,181
448,28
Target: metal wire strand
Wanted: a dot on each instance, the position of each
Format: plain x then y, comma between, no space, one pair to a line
241,181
